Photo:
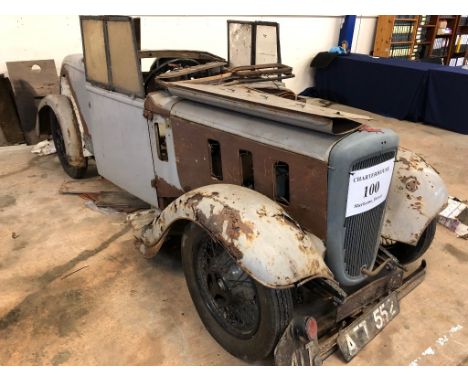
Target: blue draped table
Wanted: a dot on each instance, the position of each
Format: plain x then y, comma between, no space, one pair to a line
403,89
446,103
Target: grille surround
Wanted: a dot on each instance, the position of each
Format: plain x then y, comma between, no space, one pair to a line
356,151
360,247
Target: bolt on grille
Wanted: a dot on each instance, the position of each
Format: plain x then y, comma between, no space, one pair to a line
362,231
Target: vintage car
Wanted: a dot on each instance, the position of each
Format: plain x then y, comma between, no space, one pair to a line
296,220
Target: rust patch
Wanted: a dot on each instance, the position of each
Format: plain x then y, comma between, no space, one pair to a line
411,182
152,107
164,189
285,219
370,129
414,162
64,73
235,226
261,212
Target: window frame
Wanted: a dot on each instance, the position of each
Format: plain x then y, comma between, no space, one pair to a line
159,141
213,175
243,154
253,49
287,201
110,86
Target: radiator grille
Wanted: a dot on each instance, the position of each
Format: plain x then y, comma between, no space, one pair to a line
363,230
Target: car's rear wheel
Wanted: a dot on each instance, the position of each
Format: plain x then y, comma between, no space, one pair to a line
73,171
246,318
406,253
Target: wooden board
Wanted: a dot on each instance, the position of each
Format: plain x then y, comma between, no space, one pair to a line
121,201
104,194
88,186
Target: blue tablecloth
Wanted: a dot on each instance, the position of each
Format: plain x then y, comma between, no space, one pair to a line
446,103
402,89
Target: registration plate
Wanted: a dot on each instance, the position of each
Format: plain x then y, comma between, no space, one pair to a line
352,339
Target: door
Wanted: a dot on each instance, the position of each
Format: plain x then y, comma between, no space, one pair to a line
119,130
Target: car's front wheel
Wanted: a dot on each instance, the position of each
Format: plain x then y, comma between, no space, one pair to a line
406,253
57,135
246,318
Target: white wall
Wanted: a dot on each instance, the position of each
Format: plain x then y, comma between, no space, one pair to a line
42,37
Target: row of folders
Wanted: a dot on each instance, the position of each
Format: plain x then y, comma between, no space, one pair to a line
402,31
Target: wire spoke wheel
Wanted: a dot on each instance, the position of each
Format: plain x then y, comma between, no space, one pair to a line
229,292
245,317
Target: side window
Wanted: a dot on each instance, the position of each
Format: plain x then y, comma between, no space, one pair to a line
215,159
125,67
281,173
110,49
253,43
246,165
94,49
239,43
160,130
267,44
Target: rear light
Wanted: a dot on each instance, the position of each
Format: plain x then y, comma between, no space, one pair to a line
311,328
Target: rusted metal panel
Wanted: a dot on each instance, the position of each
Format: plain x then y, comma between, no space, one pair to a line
295,348
39,76
160,103
165,189
69,91
169,53
266,242
417,194
268,106
267,132
9,121
328,344
369,293
191,70
31,80
74,71
307,176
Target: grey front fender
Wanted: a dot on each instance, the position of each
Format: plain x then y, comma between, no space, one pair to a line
265,241
417,194
62,107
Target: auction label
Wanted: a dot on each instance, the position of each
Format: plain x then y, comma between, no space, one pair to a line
369,187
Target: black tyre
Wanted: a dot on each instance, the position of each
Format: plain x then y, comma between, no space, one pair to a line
406,253
246,318
73,171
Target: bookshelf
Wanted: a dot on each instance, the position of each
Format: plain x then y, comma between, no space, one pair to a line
459,50
444,37
424,37
395,36
417,37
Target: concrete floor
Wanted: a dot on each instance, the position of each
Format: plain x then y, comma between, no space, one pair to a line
75,291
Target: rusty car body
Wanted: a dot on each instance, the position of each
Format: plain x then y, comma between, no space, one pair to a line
296,220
